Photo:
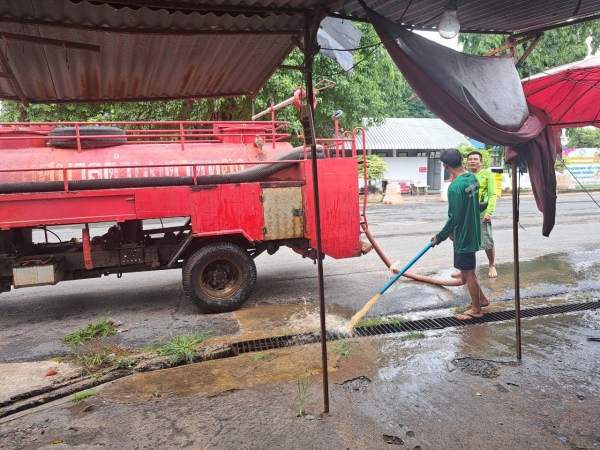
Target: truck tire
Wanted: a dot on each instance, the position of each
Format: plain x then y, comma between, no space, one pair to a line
219,277
87,142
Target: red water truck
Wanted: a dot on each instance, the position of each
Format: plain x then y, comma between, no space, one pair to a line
239,188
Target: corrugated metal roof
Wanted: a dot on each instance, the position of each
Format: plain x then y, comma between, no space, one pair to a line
412,134
166,49
478,15
145,54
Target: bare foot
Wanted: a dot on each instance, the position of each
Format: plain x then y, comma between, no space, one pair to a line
469,315
456,274
492,272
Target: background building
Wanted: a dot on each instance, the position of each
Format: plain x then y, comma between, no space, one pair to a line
411,148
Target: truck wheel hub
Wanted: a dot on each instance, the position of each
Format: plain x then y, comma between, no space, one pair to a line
220,278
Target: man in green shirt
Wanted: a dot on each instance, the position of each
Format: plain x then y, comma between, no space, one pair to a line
487,196
464,228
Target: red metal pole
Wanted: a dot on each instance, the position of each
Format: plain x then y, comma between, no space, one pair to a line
273,123
65,181
78,137
181,136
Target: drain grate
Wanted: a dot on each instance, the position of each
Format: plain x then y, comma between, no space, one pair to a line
446,322
259,345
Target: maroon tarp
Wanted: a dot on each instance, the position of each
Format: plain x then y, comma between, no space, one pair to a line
482,98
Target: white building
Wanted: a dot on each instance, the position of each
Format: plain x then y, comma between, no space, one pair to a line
411,148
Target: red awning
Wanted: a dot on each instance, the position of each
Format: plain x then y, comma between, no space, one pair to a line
569,94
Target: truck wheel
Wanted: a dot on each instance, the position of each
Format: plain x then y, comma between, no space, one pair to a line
219,277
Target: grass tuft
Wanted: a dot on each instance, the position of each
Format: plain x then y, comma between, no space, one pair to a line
100,329
460,309
181,347
371,322
259,356
342,349
303,384
415,335
78,396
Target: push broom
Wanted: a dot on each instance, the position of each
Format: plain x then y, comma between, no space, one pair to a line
356,317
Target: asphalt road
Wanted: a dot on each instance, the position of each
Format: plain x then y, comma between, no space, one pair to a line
152,305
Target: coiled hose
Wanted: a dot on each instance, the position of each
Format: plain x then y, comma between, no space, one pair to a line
410,275
255,173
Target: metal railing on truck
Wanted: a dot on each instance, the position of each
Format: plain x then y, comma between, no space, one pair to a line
208,134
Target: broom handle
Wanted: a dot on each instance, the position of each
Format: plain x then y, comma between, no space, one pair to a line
411,262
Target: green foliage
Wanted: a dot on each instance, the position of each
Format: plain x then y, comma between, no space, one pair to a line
303,384
100,329
78,396
122,362
415,107
561,164
181,347
415,335
557,47
465,148
371,322
259,356
587,137
341,348
93,361
376,167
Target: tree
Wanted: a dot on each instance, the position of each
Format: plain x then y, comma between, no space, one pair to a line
415,107
587,137
376,167
561,164
557,47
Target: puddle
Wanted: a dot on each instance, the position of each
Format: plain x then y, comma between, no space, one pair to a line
278,320
547,275
559,274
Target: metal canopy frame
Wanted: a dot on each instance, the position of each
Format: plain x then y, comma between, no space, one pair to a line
298,19
256,35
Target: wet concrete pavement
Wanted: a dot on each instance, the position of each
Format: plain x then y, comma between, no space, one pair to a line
152,306
451,389
421,391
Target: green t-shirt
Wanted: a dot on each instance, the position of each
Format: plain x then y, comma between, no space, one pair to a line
463,214
487,191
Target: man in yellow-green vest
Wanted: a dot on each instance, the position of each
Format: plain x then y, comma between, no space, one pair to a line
487,205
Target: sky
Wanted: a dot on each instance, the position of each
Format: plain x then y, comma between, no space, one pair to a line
435,36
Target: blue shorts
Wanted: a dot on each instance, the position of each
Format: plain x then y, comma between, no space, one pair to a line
464,261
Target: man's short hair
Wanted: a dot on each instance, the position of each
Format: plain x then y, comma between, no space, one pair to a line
451,157
475,152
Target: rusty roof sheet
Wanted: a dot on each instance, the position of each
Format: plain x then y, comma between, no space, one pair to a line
144,54
133,50
483,16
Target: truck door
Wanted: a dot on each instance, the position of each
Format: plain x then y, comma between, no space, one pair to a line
283,213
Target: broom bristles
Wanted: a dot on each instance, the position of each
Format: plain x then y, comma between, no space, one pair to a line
356,317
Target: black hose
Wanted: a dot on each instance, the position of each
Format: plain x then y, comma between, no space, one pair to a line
252,174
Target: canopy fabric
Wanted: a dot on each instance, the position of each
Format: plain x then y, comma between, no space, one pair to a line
480,97
570,94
